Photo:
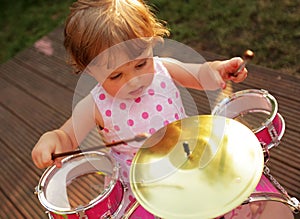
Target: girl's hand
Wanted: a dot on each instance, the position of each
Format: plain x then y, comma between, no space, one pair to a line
228,70
51,142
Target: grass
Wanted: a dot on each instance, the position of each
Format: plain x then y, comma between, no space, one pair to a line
22,22
270,28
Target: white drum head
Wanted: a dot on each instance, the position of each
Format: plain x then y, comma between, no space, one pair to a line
81,181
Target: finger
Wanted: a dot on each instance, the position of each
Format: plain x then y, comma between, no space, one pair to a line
58,163
232,65
240,76
36,163
41,163
37,159
46,159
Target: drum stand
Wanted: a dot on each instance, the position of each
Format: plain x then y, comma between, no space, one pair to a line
284,198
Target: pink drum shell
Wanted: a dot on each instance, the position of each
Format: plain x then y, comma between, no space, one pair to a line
264,135
265,186
96,208
99,208
251,100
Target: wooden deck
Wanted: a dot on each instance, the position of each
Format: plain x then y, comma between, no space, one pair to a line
36,92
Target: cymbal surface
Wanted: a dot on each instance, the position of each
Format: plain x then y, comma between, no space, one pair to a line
224,166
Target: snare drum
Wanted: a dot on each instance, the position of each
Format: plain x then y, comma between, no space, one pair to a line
256,109
268,201
86,186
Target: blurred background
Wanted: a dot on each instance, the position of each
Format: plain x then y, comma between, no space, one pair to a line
270,28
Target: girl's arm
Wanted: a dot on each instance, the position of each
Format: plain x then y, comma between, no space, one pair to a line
67,137
206,76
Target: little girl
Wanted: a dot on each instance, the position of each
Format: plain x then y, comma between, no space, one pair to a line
112,40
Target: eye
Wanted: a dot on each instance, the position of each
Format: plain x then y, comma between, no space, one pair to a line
141,64
115,76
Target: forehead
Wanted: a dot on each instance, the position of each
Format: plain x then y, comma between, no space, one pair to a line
123,53
119,55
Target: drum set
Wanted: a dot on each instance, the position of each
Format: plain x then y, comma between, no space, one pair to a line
206,166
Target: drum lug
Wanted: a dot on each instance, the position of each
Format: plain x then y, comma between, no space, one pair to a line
81,212
273,133
107,215
265,92
296,204
125,187
49,215
266,151
37,190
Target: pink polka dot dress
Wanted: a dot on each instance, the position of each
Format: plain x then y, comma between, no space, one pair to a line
159,105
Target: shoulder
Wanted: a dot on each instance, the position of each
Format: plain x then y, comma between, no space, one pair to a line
160,67
95,99
88,107
96,90
86,103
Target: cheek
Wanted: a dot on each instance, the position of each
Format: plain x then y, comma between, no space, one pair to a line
111,88
147,79
117,89
148,74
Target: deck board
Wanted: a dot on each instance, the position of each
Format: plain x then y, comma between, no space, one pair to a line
36,95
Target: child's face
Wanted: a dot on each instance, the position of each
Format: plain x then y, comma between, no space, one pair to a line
124,70
131,79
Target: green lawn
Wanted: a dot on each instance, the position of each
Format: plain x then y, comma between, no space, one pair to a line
271,28
22,22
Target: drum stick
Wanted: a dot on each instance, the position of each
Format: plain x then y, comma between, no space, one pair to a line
248,55
130,211
138,138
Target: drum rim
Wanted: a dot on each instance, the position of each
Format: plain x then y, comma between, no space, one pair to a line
240,94
57,210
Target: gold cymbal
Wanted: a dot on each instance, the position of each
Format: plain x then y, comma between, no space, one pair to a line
197,167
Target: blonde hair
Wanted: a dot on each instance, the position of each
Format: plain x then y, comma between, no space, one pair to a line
95,25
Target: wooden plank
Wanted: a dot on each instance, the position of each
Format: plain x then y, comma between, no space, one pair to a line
17,166
19,186
48,92
276,82
19,176
8,209
20,130
37,115
50,67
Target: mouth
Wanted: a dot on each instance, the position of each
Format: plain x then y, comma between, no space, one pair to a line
137,91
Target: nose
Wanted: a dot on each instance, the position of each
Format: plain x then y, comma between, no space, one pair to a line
133,81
